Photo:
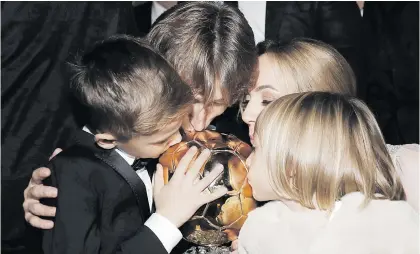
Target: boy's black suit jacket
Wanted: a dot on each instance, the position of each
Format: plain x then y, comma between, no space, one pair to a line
97,209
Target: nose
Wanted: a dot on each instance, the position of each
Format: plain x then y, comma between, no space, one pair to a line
249,115
198,118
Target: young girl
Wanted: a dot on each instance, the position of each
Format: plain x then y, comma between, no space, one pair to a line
305,65
321,160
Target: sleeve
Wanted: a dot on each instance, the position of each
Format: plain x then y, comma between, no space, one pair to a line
143,241
168,234
340,25
75,226
406,162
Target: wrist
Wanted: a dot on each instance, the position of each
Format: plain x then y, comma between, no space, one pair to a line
171,217
168,234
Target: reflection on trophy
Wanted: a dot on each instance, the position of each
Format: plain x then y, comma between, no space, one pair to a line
218,222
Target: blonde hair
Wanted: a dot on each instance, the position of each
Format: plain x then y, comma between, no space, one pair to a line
305,65
320,146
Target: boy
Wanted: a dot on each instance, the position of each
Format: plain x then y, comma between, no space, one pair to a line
136,103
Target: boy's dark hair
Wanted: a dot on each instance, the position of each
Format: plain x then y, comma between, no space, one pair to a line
129,88
209,44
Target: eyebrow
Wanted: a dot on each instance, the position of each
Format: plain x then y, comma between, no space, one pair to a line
265,87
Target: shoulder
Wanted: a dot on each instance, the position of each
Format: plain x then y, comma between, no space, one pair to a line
268,213
274,225
376,210
407,150
381,225
261,228
79,164
406,160
77,157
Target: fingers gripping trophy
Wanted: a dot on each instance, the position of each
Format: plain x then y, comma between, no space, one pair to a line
216,223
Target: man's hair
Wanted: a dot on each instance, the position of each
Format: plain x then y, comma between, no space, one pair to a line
320,146
209,44
128,88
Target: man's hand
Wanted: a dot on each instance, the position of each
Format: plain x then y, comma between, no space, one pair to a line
184,194
34,192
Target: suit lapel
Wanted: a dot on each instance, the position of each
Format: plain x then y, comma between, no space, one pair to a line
114,160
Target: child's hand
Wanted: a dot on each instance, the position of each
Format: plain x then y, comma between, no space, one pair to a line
183,195
34,192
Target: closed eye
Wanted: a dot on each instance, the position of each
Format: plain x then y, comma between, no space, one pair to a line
266,102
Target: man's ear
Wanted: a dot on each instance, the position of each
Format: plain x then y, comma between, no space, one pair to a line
106,140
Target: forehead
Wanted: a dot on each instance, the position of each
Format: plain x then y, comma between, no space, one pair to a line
270,75
267,72
217,95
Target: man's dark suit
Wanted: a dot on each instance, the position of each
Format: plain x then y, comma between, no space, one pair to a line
97,209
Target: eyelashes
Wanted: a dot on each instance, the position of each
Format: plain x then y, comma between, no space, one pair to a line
244,103
266,102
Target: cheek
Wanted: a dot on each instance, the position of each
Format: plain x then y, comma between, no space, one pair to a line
153,151
214,112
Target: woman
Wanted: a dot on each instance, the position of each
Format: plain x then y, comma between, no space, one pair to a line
305,65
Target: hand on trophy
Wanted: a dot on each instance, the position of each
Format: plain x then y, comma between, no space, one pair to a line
183,195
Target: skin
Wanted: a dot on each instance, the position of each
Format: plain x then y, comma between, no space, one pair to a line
266,90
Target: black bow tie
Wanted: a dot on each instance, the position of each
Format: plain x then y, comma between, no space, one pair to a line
139,164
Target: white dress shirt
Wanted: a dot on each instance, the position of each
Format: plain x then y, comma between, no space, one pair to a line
254,12
168,234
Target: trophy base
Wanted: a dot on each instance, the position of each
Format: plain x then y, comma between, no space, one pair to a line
208,238
208,250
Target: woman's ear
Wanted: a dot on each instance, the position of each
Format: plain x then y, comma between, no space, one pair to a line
106,140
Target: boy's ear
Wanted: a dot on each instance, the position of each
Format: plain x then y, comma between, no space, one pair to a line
106,140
